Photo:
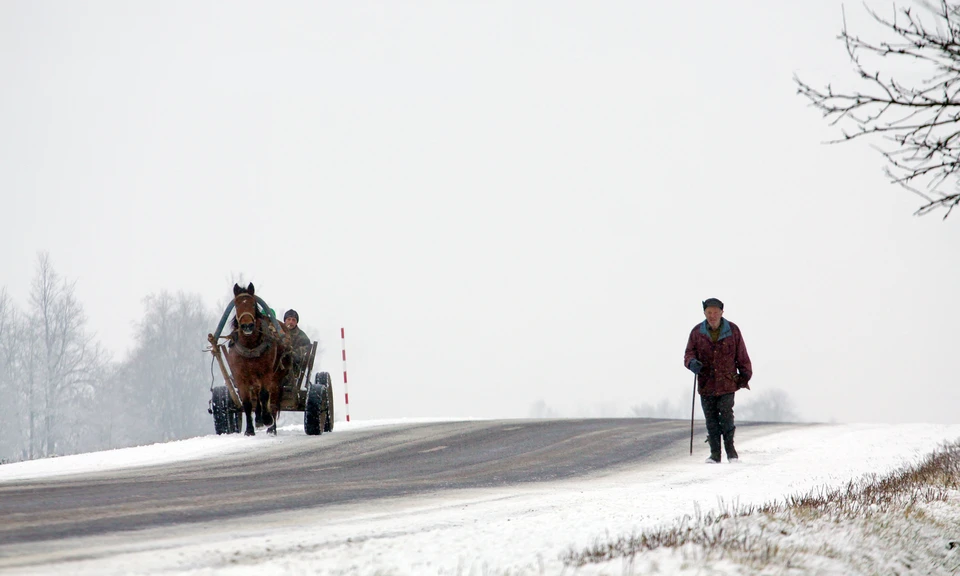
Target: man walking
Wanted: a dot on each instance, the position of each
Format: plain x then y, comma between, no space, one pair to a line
717,355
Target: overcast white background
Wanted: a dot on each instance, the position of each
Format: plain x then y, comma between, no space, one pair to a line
501,202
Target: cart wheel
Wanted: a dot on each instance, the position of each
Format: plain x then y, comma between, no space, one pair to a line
325,376
226,419
315,412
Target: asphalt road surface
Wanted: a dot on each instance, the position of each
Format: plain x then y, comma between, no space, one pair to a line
306,472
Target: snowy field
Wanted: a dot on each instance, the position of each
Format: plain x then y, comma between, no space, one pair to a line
521,530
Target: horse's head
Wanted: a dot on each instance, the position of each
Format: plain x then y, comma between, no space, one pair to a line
248,315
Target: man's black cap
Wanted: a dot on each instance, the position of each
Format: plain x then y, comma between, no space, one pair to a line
291,312
706,303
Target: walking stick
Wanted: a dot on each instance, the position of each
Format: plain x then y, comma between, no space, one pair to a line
693,403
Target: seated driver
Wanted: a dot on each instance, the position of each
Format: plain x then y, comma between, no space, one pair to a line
300,343
298,338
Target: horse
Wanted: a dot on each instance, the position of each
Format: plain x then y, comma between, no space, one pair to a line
253,355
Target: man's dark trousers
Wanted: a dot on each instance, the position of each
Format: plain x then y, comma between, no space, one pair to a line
718,412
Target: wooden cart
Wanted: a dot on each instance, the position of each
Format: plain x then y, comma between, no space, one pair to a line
300,394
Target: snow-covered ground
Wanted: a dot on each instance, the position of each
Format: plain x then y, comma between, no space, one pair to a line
518,530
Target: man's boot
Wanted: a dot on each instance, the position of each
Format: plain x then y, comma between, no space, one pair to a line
728,446
714,457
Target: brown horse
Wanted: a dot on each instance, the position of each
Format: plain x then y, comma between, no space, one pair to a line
253,355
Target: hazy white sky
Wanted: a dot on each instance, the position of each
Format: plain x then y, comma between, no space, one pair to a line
501,202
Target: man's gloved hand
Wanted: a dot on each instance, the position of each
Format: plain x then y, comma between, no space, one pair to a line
695,366
742,381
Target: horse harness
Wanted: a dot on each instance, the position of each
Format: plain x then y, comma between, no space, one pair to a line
266,341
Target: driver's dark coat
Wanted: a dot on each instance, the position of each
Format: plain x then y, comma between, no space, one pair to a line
722,360
299,340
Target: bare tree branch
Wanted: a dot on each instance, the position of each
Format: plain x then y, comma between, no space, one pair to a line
919,119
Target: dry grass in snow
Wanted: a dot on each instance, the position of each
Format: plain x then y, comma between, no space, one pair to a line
904,523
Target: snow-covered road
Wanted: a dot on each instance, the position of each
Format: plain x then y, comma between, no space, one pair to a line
516,530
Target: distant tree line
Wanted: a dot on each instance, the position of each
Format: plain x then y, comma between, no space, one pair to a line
63,394
771,405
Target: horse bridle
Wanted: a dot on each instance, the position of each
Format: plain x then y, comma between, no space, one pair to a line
240,317
265,343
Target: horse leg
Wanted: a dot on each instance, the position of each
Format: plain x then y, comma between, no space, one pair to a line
273,406
257,403
268,412
264,398
248,409
259,414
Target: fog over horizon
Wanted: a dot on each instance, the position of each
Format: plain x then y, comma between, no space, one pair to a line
512,210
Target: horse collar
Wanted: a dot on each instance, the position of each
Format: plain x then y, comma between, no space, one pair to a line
255,352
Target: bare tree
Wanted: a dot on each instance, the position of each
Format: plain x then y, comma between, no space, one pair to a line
769,406
121,408
9,375
166,380
540,409
20,346
62,363
663,409
918,115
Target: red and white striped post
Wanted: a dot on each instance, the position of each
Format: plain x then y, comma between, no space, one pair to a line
346,394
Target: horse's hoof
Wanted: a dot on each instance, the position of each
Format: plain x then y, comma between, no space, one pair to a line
272,430
249,433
